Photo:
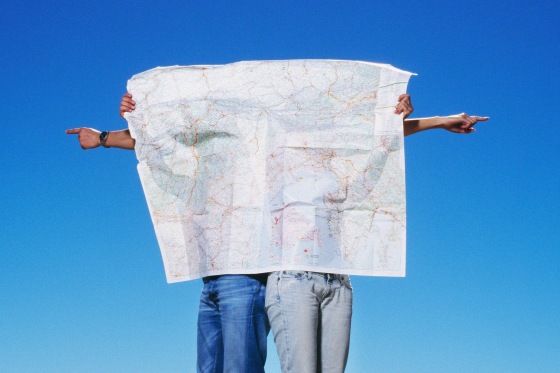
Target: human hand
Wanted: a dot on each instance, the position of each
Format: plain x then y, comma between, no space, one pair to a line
127,104
88,137
404,106
461,123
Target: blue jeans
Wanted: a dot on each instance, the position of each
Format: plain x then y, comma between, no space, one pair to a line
232,324
310,315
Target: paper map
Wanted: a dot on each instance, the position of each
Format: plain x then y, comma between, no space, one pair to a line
260,166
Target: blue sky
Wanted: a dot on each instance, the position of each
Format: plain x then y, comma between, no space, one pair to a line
82,284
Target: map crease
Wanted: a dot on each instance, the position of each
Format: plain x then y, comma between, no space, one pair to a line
261,166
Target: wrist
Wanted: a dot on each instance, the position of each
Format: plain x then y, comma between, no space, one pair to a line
431,123
439,122
103,137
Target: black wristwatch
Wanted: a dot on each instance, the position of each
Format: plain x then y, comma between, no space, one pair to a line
103,138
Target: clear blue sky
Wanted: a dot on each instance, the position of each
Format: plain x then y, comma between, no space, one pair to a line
82,285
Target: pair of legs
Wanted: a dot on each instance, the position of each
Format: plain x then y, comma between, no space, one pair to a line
310,315
232,324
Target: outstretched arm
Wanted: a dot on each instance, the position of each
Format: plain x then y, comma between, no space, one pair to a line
89,137
460,123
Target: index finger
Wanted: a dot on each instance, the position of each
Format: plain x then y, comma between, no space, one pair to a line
480,119
73,131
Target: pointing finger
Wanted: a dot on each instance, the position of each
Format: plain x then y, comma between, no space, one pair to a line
481,119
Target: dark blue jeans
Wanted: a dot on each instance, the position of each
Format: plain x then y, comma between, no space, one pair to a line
232,324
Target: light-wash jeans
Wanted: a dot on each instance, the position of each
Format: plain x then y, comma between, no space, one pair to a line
232,324
310,315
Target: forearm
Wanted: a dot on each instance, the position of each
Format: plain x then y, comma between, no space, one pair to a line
459,123
120,139
412,126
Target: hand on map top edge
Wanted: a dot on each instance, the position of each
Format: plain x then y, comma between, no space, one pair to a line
461,123
88,137
127,104
404,106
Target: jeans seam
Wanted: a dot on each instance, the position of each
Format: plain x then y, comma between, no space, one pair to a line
255,291
286,331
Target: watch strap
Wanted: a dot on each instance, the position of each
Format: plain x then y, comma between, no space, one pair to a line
103,138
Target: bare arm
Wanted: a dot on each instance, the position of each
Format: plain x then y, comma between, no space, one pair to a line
121,139
460,123
89,138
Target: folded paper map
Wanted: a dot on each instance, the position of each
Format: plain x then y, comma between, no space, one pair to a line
261,166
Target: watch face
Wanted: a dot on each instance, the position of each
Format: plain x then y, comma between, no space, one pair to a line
103,135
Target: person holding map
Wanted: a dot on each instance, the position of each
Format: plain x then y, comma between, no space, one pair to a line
309,311
232,322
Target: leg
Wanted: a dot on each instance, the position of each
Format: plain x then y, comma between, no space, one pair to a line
210,347
336,316
244,322
293,310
